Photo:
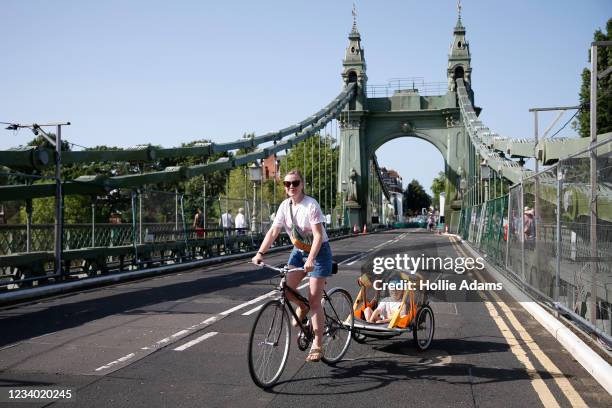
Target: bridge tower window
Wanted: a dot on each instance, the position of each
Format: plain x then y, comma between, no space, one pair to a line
459,72
352,77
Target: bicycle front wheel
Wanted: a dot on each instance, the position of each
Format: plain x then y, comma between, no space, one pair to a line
269,344
339,323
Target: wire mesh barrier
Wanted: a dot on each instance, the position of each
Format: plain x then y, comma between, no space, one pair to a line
553,232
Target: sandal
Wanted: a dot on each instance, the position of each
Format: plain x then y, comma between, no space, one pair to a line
315,354
301,314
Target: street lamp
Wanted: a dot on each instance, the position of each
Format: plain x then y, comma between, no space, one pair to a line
255,176
276,177
485,174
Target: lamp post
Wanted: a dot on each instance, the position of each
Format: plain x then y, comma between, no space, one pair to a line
485,174
276,177
343,195
254,176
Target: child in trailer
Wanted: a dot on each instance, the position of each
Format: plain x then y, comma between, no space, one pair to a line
387,307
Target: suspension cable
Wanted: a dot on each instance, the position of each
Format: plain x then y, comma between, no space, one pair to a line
312,189
319,166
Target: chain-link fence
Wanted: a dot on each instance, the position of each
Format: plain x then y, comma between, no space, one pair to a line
553,232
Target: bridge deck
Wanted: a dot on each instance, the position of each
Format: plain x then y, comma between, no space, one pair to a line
143,344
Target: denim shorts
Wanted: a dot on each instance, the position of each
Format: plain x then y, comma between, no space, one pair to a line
322,264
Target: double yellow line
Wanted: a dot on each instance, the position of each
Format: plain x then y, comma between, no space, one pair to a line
544,393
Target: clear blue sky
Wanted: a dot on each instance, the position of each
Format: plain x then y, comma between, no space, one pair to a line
160,72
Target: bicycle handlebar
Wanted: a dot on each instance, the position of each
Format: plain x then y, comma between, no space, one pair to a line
280,270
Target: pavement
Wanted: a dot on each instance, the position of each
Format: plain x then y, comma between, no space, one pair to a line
181,340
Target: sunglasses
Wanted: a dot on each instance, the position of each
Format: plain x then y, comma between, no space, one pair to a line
293,183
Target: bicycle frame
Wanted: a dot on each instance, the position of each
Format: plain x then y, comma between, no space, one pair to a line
283,288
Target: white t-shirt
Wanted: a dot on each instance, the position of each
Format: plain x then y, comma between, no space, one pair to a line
306,214
226,220
240,221
387,308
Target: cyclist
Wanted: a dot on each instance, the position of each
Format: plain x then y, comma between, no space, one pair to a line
303,220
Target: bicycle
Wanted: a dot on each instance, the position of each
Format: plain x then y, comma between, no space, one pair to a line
270,335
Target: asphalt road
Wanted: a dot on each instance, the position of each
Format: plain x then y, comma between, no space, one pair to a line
181,340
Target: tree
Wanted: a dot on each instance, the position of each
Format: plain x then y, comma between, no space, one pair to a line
604,89
320,175
316,173
415,197
437,186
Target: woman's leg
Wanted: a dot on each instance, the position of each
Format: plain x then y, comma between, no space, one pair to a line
293,279
318,319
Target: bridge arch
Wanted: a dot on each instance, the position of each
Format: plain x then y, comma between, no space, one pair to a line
438,144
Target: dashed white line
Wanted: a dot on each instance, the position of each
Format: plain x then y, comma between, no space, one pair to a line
208,321
184,332
350,258
350,261
175,335
250,312
250,302
117,361
196,341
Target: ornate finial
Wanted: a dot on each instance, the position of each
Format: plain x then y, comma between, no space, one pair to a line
354,12
459,9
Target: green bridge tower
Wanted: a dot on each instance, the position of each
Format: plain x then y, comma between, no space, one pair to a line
369,122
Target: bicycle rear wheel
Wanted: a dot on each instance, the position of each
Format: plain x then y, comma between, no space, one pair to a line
424,328
269,344
339,323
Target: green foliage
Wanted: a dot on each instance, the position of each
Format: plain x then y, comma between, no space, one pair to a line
604,89
77,209
415,198
437,186
316,173
320,175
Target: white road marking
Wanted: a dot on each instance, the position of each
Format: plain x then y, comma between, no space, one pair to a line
117,361
196,341
186,331
175,335
356,258
250,302
250,312
349,259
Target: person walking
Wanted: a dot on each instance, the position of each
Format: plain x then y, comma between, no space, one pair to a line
198,223
227,221
240,222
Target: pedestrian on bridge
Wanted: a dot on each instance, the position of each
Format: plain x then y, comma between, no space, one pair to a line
240,222
198,223
227,221
302,218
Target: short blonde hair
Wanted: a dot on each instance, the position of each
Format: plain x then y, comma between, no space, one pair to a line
295,172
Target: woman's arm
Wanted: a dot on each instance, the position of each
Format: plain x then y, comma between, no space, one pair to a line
271,236
317,233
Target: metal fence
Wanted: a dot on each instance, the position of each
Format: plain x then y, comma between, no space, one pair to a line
544,233
124,230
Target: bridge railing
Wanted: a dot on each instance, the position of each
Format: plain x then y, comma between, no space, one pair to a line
126,231
542,234
416,84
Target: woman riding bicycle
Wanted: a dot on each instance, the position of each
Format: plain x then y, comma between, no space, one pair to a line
303,220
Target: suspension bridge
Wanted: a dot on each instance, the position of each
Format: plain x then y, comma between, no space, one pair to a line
154,306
